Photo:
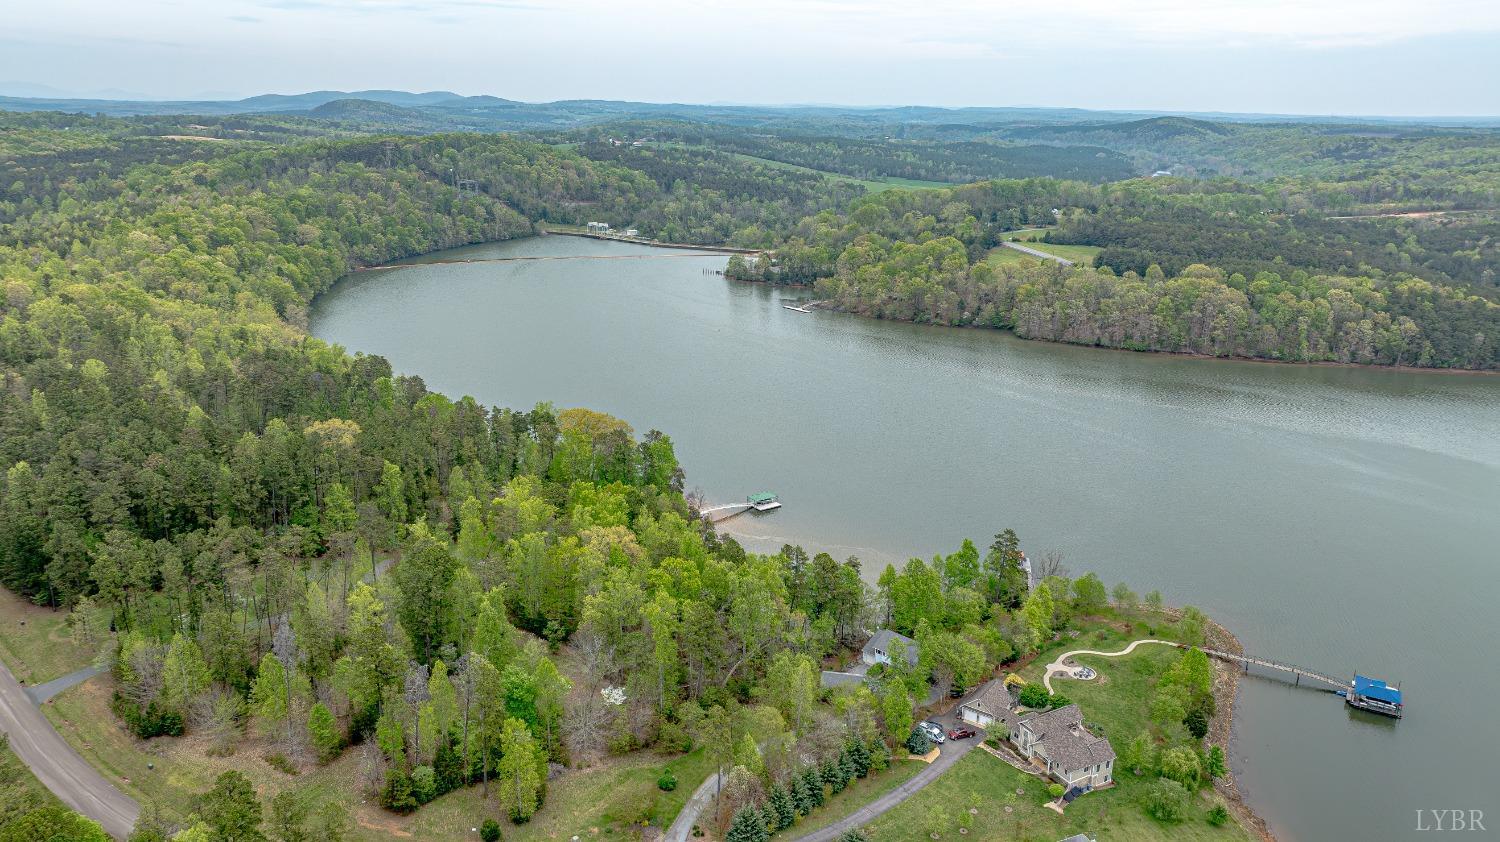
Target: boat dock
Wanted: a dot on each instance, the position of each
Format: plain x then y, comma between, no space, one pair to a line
763,502
1364,693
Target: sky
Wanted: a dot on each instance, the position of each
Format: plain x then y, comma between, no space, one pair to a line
1359,57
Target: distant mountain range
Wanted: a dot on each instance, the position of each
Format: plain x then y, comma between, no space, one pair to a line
436,110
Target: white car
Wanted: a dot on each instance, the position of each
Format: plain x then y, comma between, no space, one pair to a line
934,731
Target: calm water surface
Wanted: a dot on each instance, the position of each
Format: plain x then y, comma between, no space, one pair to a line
1341,519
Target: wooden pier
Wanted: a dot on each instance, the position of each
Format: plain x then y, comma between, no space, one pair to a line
1297,673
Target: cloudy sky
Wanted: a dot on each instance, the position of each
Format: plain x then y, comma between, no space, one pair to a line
1398,57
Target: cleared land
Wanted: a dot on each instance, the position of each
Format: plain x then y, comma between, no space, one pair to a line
35,641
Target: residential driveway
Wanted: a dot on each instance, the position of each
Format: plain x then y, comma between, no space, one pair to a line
952,752
682,826
57,765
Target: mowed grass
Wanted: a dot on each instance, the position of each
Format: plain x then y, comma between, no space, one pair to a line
36,642
856,795
988,785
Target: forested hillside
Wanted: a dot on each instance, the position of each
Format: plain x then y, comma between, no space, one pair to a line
1213,272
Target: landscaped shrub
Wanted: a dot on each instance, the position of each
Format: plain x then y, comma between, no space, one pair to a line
918,742
667,782
1055,790
1034,696
489,831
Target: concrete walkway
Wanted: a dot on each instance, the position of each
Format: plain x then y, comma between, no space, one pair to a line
1060,668
682,826
952,752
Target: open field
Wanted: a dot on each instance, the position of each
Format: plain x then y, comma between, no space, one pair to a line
982,782
36,642
874,185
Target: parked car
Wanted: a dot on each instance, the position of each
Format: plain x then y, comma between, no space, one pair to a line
960,734
935,731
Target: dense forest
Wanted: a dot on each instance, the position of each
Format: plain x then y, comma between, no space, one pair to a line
954,162
1220,269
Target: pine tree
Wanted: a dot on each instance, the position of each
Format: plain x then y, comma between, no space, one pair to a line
748,826
802,795
782,807
859,756
846,770
324,732
832,777
814,785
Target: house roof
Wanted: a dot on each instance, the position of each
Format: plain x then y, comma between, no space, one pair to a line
994,699
1376,689
883,639
1069,744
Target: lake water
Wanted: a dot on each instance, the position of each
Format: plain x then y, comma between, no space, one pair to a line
1341,519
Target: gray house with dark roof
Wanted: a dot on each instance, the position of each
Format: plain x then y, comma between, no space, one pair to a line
1059,742
878,649
993,704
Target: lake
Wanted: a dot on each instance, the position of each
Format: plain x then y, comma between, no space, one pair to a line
1342,519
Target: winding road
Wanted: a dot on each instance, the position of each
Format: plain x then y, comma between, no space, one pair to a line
682,826
1058,667
55,763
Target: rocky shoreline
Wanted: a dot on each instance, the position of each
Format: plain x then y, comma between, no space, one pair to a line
1220,728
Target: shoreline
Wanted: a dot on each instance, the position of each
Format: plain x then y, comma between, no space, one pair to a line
828,305
1221,727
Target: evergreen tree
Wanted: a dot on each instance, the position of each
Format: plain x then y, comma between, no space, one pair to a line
802,795
231,809
814,782
748,826
781,807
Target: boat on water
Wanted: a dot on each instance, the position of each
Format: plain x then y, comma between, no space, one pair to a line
1373,695
763,502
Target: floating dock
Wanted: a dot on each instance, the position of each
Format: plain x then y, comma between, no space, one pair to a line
1363,692
1373,695
763,502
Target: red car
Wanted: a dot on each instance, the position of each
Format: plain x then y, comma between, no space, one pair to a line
960,734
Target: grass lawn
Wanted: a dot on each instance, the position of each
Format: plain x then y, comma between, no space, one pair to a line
856,795
1083,255
20,791
36,642
989,785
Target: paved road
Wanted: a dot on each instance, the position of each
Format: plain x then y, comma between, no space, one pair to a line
57,765
1037,253
1057,667
682,826
42,692
953,751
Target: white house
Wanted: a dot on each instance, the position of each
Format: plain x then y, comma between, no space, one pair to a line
878,649
1058,741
